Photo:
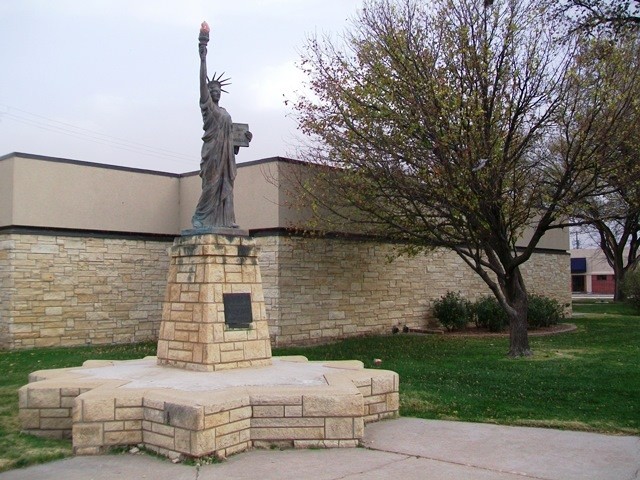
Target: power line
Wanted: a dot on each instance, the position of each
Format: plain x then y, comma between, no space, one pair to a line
44,123
98,140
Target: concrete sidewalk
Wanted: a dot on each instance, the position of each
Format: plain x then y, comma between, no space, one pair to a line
406,448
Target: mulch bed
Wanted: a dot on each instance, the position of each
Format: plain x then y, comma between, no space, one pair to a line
473,331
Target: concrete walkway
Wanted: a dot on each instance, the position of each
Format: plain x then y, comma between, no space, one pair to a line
406,448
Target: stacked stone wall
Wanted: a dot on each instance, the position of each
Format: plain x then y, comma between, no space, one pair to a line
6,292
58,290
321,290
62,290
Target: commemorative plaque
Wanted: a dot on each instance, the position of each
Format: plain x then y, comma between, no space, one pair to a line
237,310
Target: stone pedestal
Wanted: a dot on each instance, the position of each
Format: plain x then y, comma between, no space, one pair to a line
197,333
213,319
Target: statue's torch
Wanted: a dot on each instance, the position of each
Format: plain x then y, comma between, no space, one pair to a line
204,33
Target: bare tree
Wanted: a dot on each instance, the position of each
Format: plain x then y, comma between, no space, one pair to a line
443,121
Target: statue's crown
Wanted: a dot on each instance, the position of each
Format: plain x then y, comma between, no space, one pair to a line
221,82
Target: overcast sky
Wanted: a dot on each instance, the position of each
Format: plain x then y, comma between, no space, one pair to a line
116,81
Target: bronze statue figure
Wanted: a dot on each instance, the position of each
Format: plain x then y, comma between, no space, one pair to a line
218,164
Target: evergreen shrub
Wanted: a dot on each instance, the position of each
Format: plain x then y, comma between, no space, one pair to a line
543,311
453,311
490,315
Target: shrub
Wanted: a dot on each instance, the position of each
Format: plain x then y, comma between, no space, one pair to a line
631,288
544,311
490,315
452,311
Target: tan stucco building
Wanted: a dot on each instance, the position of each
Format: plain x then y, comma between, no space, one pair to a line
83,258
591,272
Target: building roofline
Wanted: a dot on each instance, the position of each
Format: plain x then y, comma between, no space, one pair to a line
83,163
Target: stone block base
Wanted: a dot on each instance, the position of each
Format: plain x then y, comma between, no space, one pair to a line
98,411
196,333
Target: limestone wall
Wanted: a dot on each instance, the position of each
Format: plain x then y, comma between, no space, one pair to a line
6,294
67,290
319,290
63,290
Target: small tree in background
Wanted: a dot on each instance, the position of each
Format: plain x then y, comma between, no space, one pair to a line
613,218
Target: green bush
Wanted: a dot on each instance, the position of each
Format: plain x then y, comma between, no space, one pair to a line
544,311
631,288
453,311
490,315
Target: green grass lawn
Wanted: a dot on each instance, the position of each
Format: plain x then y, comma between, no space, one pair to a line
585,380
604,308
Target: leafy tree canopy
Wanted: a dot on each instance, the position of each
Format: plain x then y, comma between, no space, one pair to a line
457,125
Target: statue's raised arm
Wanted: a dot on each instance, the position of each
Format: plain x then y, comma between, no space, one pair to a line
203,40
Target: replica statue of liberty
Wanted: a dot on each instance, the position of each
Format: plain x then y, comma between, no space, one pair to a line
218,164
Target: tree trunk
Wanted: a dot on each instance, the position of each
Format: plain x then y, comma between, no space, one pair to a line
615,257
518,335
618,276
517,299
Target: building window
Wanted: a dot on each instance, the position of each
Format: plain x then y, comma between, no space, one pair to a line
578,265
